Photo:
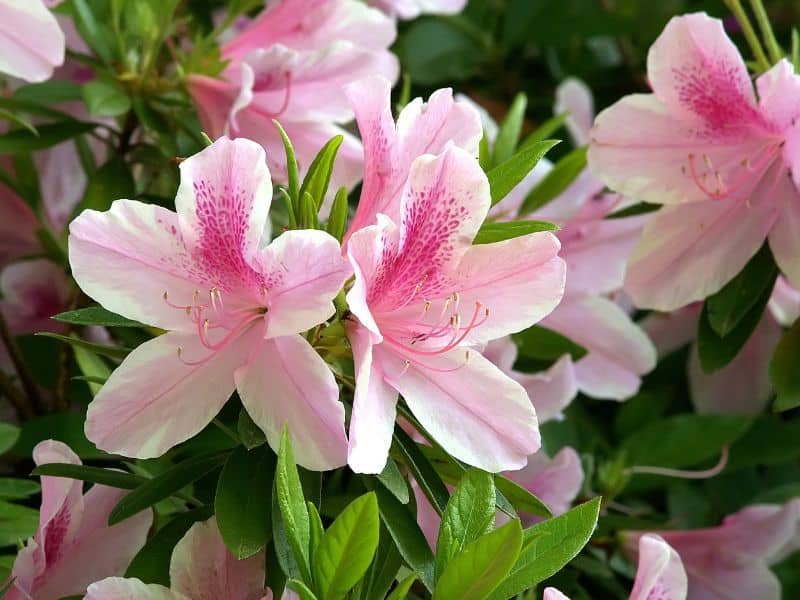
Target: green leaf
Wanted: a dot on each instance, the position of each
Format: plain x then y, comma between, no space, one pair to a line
241,503
317,530
716,351
556,181
292,505
91,31
20,141
490,233
337,221
683,440
95,315
319,172
402,589
771,440
12,489
101,349
407,536
469,515
64,427
425,475
252,435
164,485
384,569
504,177
110,182
151,563
394,481
7,586
434,50
291,168
9,434
482,565
347,548
53,91
95,370
105,99
541,343
548,546
109,477
301,589
308,218
642,208
17,523
17,120
784,372
730,305
508,135
520,498
544,131
778,495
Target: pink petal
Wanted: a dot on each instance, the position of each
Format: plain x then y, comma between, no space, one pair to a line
365,251
551,391
784,239
784,304
31,42
62,498
214,99
619,351
776,89
374,406
689,252
127,257
551,593
202,568
518,281
743,386
308,271
62,180
555,481
503,353
573,96
672,331
766,531
448,395
155,400
33,291
411,9
427,517
18,227
287,382
117,588
660,573
223,204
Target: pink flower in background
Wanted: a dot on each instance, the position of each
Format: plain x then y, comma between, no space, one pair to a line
391,148
31,41
233,310
32,292
73,545
18,225
410,9
291,64
724,163
660,575
423,295
201,568
742,386
733,559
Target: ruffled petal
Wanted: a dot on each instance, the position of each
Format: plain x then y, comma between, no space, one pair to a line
555,481
660,573
574,97
551,391
118,588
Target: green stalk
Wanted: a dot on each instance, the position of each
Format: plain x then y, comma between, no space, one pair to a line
774,49
749,33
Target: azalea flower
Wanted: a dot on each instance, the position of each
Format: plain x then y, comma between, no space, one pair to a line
291,63
73,545
411,9
424,298
232,307
201,568
32,292
732,560
723,162
660,575
31,41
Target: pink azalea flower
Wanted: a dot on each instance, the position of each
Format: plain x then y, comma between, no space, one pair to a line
18,225
391,148
32,292
73,545
291,64
31,42
411,9
201,568
423,295
723,162
732,560
233,310
660,575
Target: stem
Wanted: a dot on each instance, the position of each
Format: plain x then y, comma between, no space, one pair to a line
28,384
681,474
15,398
774,49
749,33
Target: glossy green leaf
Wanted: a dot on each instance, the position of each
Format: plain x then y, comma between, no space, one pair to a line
164,485
337,221
482,565
541,343
402,589
548,546
242,502
9,434
423,471
507,175
556,181
13,489
346,550
100,349
251,435
301,589
784,371
292,505
394,481
105,99
318,176
544,131
21,141
112,181
17,523
316,528
490,233
95,315
291,167
469,515
520,498
508,134
109,477
64,427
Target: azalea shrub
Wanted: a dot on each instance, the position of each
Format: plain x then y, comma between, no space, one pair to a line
386,299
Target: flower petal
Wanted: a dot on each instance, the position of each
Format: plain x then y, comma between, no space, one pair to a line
155,399
671,331
31,42
62,499
784,239
33,291
551,391
307,271
551,593
776,88
784,304
118,588
574,97
202,567
128,257
374,407
448,395
660,573
555,481
286,382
